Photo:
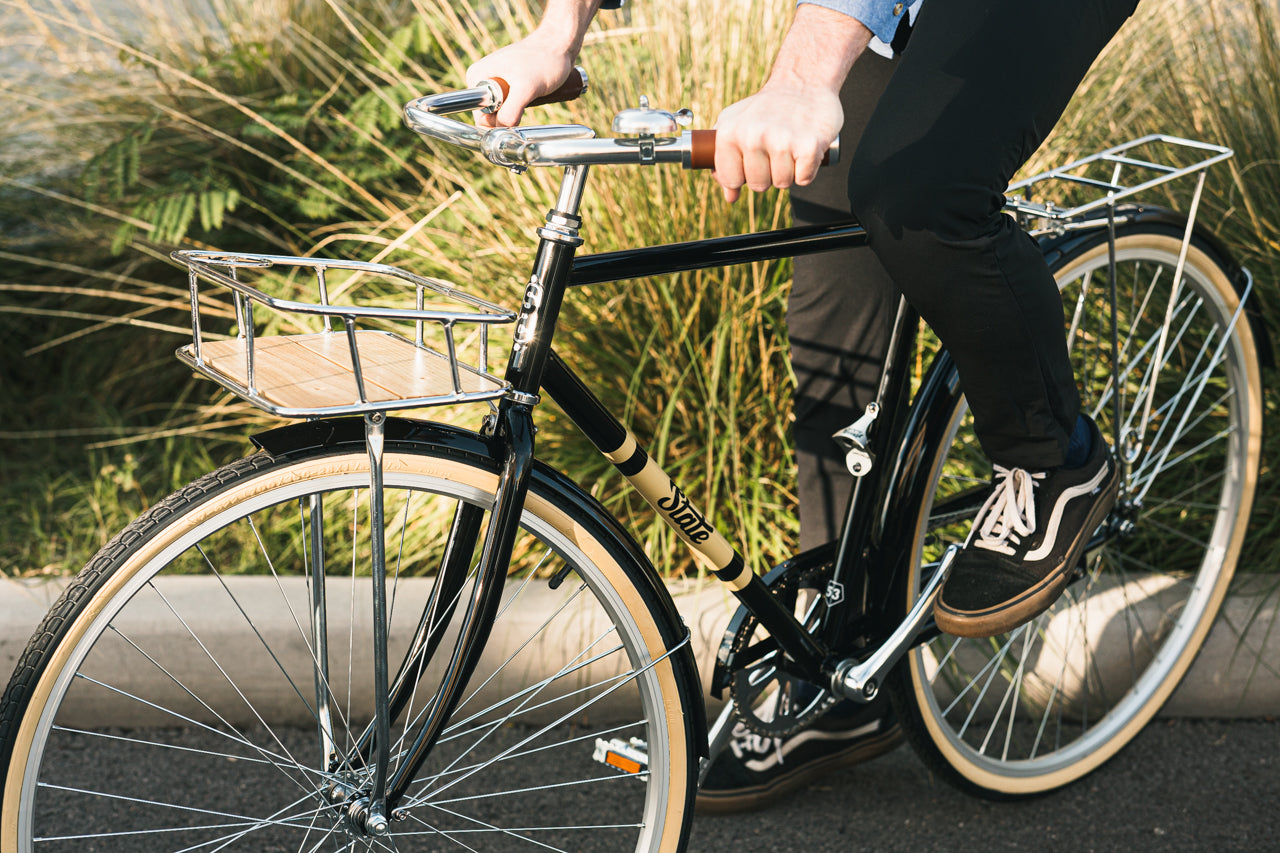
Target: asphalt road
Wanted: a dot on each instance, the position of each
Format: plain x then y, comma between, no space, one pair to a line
1181,785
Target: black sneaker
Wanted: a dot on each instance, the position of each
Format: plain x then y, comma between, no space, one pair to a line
1025,544
755,770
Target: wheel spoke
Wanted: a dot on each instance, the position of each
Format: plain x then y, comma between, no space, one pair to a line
1027,716
523,734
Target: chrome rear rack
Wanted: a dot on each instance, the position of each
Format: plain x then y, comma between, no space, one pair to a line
1112,175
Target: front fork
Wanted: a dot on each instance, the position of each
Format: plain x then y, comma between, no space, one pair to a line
367,810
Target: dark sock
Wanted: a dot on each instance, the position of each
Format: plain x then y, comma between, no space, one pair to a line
1081,444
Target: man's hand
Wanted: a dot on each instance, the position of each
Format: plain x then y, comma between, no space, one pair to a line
532,67
778,136
537,64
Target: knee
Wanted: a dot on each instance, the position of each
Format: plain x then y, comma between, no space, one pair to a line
896,200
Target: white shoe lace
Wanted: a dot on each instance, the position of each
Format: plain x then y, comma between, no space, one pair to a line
1010,513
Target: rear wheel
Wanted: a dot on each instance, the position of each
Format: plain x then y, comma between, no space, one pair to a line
1029,711
170,702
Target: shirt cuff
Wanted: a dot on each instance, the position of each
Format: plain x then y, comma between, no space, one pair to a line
880,16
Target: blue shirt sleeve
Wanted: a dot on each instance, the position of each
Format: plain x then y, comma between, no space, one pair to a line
880,16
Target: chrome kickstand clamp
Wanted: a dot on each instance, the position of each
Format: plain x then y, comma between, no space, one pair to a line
861,682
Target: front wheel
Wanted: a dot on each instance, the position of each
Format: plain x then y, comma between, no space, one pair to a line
1035,709
205,683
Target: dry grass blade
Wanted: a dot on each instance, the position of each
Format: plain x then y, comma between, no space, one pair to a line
292,104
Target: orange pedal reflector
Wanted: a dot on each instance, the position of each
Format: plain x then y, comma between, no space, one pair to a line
630,757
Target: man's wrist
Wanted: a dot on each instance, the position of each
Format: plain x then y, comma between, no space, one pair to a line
564,23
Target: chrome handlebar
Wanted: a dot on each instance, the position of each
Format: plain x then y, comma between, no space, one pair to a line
539,145
653,138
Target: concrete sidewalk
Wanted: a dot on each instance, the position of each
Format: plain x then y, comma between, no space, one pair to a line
1236,675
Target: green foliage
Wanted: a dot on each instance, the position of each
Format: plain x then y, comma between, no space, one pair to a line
275,126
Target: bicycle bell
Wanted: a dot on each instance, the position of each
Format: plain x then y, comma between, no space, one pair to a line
647,121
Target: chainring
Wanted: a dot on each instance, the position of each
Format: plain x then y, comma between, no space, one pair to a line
768,700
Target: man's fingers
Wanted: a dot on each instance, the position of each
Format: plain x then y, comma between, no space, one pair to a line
510,113
728,171
806,168
757,168
782,169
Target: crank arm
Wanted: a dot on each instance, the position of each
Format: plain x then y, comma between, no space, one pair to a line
861,682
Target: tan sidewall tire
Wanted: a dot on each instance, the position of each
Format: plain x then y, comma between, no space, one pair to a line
670,812
1012,785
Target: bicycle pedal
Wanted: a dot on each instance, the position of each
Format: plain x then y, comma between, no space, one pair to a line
630,757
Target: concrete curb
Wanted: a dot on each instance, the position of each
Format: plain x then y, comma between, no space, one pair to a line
1236,675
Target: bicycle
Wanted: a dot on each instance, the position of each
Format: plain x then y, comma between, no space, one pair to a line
416,735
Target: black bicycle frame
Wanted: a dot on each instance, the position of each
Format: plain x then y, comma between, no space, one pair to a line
808,652
846,623
534,367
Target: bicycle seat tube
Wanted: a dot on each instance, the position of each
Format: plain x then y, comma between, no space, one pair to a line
858,598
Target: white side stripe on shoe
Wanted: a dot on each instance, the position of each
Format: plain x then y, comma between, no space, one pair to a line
1059,506
778,756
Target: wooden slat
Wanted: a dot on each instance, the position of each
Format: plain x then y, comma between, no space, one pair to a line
314,371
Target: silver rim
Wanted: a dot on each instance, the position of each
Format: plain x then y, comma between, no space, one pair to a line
1038,707
222,673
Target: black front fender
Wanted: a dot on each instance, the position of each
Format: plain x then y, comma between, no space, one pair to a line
402,434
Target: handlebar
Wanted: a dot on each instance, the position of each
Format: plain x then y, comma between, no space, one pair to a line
573,86
519,148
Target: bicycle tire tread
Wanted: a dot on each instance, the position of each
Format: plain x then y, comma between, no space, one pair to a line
84,585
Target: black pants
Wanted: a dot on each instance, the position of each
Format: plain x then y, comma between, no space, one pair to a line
937,134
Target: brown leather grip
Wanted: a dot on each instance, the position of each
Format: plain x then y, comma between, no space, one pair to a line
570,89
702,150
